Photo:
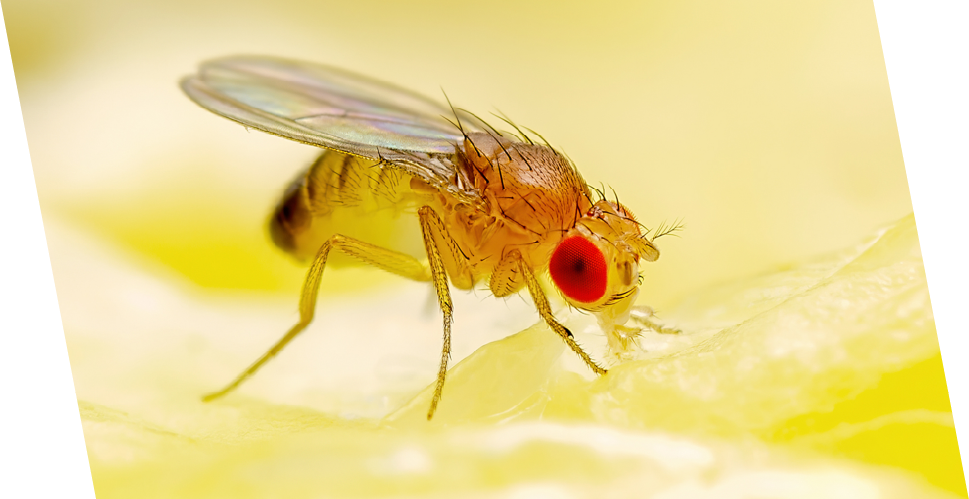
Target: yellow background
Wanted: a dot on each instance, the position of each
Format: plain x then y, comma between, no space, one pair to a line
767,127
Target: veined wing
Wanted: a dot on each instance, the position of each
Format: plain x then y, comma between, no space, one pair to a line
332,108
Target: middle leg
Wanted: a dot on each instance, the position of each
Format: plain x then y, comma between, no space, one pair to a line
435,235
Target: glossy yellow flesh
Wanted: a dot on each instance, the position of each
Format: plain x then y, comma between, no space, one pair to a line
789,384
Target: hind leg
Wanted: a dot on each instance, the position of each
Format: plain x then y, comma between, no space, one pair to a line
389,260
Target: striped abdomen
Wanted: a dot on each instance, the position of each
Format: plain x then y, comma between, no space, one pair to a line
348,195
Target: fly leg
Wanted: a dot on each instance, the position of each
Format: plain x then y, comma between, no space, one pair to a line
544,310
391,261
643,315
624,341
451,259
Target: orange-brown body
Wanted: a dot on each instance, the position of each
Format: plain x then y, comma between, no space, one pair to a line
403,188
519,196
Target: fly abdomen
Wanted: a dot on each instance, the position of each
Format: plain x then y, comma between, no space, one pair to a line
291,218
341,194
334,181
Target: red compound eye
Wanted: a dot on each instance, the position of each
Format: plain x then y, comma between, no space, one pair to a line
579,269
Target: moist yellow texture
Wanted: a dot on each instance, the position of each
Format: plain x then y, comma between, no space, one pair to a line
820,380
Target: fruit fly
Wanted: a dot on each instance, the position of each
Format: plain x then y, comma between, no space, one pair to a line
494,210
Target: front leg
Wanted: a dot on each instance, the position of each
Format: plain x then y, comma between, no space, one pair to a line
643,315
624,340
545,311
433,231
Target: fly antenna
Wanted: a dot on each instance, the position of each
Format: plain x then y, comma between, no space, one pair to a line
668,230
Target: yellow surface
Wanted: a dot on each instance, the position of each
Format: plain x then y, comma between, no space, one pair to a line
766,126
821,380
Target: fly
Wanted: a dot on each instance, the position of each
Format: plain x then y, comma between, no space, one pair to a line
493,209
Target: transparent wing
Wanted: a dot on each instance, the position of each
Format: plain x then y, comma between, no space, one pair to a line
331,108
